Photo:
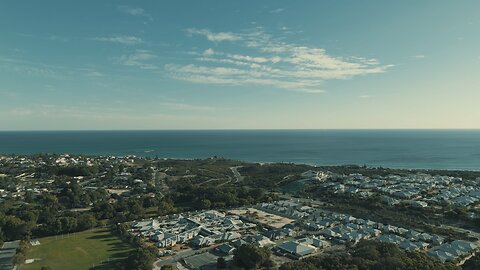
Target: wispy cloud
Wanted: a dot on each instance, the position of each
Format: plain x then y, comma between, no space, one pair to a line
46,71
33,69
364,96
270,62
140,58
216,37
125,40
277,10
135,11
90,72
186,106
209,52
419,56
57,38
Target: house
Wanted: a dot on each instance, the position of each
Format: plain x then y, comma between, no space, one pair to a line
453,250
213,214
147,225
391,238
167,242
239,242
296,249
413,246
258,240
275,234
425,237
313,241
329,233
229,236
464,245
354,236
226,249
412,234
441,255
201,241
437,240
418,204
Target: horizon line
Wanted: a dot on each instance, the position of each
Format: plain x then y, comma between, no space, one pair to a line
245,129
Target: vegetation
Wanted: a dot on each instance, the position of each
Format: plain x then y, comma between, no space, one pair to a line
199,197
472,264
399,215
370,255
21,252
251,257
221,263
272,176
141,258
20,221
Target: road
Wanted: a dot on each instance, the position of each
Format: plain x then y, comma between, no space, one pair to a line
238,176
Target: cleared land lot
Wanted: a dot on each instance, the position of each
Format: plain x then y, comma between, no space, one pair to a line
97,249
263,217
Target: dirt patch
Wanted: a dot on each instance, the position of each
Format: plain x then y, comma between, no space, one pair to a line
263,217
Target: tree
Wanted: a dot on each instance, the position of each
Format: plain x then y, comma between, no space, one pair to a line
251,257
141,258
165,207
14,228
205,204
136,209
473,263
86,221
221,263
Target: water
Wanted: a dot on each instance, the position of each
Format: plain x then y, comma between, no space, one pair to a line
436,149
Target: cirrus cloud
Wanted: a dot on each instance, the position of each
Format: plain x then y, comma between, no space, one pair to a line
125,40
220,36
270,62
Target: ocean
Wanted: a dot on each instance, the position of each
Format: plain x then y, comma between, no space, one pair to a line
433,149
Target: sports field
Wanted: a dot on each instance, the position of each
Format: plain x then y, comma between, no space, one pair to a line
93,249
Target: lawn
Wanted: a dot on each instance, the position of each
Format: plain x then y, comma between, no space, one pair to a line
93,249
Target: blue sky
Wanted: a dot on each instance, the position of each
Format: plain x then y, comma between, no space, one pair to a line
239,64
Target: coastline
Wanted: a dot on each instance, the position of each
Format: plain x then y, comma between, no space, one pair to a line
399,149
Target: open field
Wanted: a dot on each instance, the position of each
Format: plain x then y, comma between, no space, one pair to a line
93,249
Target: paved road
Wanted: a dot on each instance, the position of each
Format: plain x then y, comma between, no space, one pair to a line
7,252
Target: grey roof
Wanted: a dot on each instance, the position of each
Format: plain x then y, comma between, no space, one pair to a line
296,248
226,248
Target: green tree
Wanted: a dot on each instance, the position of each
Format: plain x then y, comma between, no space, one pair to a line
221,263
165,207
205,204
472,264
86,221
251,257
141,258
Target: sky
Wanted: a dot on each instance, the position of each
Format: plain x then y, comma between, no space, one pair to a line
272,64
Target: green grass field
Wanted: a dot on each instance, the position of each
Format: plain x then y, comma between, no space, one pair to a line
93,249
